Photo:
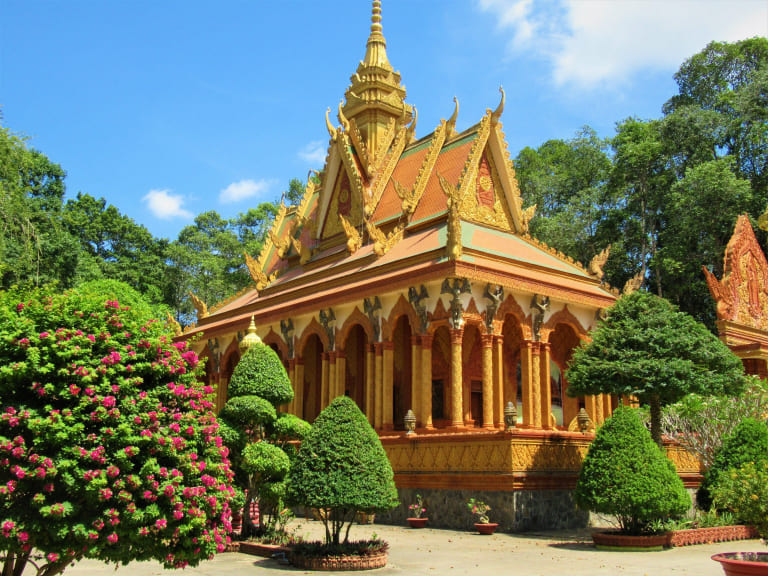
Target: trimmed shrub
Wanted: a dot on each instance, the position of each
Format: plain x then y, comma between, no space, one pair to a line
248,412
747,443
260,373
264,462
289,427
341,466
626,474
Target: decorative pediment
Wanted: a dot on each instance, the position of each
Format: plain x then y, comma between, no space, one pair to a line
742,293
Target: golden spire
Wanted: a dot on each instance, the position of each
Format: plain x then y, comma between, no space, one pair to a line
250,338
376,49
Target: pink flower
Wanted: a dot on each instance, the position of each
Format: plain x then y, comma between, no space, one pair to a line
112,538
161,523
52,557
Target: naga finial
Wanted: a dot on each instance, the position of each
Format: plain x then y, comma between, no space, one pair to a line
343,119
451,125
496,114
412,126
331,129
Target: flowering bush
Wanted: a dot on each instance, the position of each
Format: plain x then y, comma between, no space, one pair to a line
479,509
108,445
418,508
744,491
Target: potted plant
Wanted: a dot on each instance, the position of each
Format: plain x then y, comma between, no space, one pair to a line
745,492
416,520
625,474
480,510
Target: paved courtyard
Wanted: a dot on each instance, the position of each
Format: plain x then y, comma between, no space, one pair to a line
449,552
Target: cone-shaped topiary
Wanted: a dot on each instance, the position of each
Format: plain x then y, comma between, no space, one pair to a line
260,373
627,475
747,443
342,466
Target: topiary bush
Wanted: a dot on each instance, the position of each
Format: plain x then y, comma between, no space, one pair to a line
109,447
747,443
342,467
626,474
261,373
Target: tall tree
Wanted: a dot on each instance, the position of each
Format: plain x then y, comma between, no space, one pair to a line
646,348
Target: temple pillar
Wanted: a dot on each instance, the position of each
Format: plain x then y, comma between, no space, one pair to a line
292,377
457,379
378,384
341,373
486,341
530,399
536,381
498,382
332,376
426,381
324,392
546,386
369,385
599,414
607,407
416,377
388,372
298,389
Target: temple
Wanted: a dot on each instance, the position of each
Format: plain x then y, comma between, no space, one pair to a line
741,297
407,280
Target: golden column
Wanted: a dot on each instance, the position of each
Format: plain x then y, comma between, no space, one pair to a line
536,384
544,384
298,389
416,377
499,400
599,414
426,380
527,368
324,392
369,385
332,390
388,366
457,414
341,373
378,384
291,369
486,341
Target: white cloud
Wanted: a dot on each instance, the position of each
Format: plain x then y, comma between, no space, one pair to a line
314,153
165,205
241,190
591,43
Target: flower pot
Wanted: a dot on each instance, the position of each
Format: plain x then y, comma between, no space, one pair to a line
417,522
340,563
488,528
613,540
743,563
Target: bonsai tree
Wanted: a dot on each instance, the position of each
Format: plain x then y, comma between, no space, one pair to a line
626,474
747,443
646,348
258,435
109,448
342,468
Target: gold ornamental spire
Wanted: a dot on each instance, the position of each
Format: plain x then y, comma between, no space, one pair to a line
250,338
376,49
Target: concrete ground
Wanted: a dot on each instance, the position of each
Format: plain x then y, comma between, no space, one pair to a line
455,553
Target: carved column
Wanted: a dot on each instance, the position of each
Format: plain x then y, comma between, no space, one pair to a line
599,414
369,385
324,392
457,380
416,378
341,373
387,373
292,377
527,369
536,384
608,406
589,406
426,380
378,384
499,400
486,341
546,386
298,388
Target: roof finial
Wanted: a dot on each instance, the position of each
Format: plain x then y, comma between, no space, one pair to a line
376,49
376,17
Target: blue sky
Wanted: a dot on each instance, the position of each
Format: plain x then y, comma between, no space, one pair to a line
171,108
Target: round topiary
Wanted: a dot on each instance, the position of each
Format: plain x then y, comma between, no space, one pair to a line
747,443
248,412
342,466
289,427
265,461
261,373
627,475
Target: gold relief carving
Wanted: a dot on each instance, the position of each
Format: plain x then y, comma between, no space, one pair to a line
171,322
469,172
382,243
598,262
357,142
407,199
486,206
355,178
527,216
354,239
451,124
281,245
302,250
685,462
200,306
343,203
453,245
261,279
332,132
634,283
496,114
381,178
384,144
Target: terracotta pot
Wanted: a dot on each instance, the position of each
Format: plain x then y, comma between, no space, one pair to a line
612,540
261,549
743,563
417,522
488,528
340,563
711,534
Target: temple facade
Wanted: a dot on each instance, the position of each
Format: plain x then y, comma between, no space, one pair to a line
407,280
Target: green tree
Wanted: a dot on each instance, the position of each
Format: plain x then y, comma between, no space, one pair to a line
342,467
110,448
646,348
627,475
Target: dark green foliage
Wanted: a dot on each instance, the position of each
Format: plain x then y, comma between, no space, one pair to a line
627,475
342,466
261,373
248,413
747,443
289,427
264,461
647,348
